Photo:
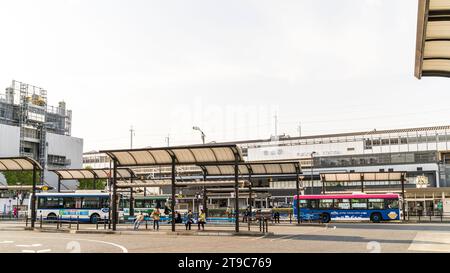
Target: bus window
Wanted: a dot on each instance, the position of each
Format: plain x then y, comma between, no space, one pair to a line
139,203
359,203
313,204
326,203
303,204
391,204
342,203
50,203
104,203
91,203
376,203
69,203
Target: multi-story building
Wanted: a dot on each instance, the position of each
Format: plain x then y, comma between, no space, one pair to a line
31,127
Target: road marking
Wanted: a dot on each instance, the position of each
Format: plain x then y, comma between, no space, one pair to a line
124,250
259,238
6,242
25,246
38,251
284,238
431,242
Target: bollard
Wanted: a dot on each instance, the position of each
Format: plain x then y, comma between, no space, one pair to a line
40,225
26,221
78,222
104,225
146,224
260,225
70,222
57,222
419,216
96,224
441,217
267,226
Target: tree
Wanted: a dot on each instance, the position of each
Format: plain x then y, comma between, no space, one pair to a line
88,184
20,177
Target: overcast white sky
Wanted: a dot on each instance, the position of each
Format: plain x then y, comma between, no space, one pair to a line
226,66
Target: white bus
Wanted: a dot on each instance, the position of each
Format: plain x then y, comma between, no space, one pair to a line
88,207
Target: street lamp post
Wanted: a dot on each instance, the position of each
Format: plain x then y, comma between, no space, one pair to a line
196,128
312,172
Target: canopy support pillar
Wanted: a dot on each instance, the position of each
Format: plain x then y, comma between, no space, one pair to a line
236,194
114,196
33,199
172,205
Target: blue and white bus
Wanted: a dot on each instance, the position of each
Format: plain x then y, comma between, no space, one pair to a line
88,207
349,207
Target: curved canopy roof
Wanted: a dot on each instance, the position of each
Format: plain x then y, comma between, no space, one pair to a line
183,155
254,168
165,182
18,164
357,177
433,39
79,174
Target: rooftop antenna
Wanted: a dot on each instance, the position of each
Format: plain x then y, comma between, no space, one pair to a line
276,124
132,134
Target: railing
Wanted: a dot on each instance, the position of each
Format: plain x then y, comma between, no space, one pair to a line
429,216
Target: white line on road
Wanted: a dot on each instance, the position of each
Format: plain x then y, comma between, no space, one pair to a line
259,238
26,246
6,242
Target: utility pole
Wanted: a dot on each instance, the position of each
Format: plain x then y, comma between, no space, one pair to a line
276,124
168,140
131,137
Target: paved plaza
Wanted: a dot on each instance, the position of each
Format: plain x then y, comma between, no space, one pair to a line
334,238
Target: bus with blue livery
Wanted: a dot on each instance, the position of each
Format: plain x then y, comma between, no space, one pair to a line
349,207
88,207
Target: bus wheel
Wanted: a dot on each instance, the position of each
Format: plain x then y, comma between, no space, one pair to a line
95,218
325,218
52,217
375,218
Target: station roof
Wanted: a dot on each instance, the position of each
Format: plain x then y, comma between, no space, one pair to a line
433,39
166,182
183,155
18,164
362,176
79,174
254,168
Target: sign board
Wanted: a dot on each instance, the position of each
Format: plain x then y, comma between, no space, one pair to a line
422,182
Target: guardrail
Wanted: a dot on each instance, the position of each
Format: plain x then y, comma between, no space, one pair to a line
430,216
59,223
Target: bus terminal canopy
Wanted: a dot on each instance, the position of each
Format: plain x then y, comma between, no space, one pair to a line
180,155
167,182
254,168
363,176
433,39
79,174
18,164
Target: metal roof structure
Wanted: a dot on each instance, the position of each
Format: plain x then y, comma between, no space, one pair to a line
433,39
79,174
168,182
180,155
18,164
363,176
254,168
22,188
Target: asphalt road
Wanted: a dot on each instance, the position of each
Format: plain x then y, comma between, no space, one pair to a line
335,238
